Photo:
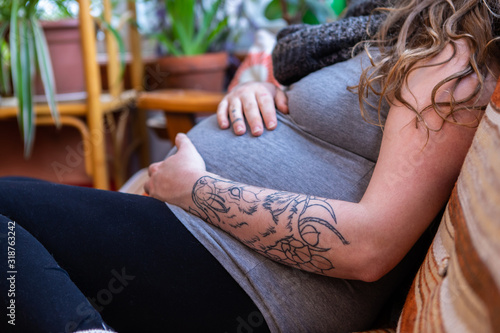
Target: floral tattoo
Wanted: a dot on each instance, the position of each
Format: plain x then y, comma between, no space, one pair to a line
228,205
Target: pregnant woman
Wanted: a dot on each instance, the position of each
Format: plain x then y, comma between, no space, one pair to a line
310,226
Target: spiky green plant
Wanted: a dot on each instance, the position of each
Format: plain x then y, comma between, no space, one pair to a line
192,28
25,52
28,51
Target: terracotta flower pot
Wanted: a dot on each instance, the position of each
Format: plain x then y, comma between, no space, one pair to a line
205,72
64,42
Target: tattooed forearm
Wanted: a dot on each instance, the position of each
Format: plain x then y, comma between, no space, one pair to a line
292,229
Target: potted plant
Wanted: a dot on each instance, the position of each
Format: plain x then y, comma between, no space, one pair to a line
191,29
24,46
20,28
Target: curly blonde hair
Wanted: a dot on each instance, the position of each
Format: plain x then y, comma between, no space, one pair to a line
416,30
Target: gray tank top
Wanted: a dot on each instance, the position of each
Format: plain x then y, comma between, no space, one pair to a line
322,148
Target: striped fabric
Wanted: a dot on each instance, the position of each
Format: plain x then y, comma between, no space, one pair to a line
457,288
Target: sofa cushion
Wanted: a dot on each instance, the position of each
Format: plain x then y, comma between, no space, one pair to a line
457,288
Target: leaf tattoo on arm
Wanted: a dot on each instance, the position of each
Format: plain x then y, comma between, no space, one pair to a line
296,233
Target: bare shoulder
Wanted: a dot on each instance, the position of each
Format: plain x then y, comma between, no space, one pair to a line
430,72
434,81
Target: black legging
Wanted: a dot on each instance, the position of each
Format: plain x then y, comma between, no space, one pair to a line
137,265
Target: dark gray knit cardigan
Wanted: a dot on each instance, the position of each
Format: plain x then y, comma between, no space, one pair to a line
302,49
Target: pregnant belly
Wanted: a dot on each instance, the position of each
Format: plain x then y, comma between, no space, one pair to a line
283,159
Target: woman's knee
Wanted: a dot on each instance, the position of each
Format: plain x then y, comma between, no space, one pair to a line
20,179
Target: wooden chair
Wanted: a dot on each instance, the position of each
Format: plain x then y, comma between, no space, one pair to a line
180,106
88,115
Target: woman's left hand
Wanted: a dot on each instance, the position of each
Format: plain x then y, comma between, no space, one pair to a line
254,101
172,179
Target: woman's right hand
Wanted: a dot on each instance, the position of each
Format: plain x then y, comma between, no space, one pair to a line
255,101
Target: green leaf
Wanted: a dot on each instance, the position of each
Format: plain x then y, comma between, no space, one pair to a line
182,17
22,55
317,12
45,67
209,16
273,10
4,61
183,14
338,6
16,64
27,115
204,27
221,25
183,38
310,18
205,35
121,46
62,7
30,8
167,43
